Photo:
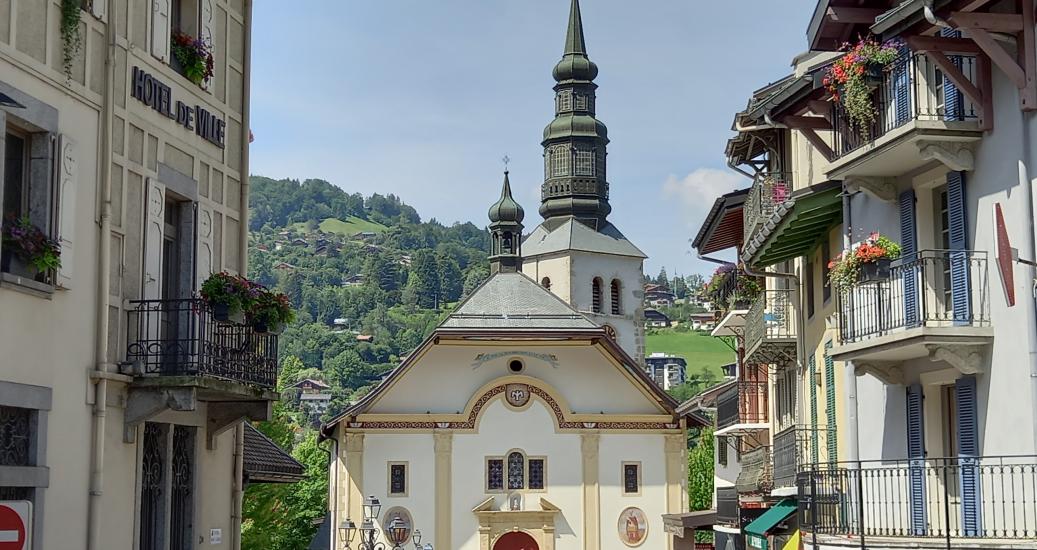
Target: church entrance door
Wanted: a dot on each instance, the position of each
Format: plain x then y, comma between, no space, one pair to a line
516,541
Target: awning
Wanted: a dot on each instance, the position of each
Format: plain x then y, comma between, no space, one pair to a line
796,226
722,228
762,525
265,462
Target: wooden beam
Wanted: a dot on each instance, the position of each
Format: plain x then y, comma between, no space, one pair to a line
823,108
986,88
974,5
994,22
999,56
951,71
949,46
812,122
818,143
853,16
1029,92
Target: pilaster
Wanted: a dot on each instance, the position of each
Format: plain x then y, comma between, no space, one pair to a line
589,444
444,448
354,482
676,446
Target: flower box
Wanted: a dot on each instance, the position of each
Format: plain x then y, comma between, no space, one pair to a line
225,313
876,271
262,327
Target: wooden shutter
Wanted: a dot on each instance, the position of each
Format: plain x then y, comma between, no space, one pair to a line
959,257
206,24
902,87
814,450
160,29
952,101
154,224
203,243
831,438
916,459
67,166
968,451
909,255
98,8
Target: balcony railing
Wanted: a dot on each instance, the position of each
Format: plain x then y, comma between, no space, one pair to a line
768,191
727,505
734,290
757,474
944,498
182,338
746,403
932,288
911,88
796,449
770,318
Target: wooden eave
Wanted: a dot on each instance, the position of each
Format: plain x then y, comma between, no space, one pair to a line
723,226
836,22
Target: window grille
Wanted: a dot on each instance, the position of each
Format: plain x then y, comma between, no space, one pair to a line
596,295
581,102
536,473
15,436
397,479
560,160
584,163
565,101
516,471
631,478
495,474
181,517
152,484
617,308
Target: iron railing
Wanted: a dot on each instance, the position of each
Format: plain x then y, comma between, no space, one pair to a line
943,498
745,403
757,473
727,505
733,290
931,288
797,448
911,88
770,318
182,338
769,190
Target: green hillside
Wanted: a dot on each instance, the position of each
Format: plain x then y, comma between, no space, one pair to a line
704,353
351,226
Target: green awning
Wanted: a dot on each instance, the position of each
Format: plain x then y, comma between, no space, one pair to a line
797,225
772,517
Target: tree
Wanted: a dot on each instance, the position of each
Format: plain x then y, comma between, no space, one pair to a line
680,289
424,275
700,472
451,282
662,279
474,277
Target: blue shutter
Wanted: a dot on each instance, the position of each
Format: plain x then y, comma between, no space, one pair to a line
909,255
916,459
968,450
832,439
952,101
959,256
902,87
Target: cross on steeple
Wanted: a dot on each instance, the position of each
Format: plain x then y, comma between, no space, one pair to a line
506,160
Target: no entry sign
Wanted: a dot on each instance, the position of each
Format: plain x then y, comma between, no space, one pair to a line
15,525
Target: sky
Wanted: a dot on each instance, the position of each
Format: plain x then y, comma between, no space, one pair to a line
423,98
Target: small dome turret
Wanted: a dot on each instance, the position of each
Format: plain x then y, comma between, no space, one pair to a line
506,209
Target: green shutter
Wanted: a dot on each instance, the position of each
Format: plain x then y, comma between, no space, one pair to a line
813,411
832,438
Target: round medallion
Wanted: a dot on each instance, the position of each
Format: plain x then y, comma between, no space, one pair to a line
517,395
610,332
632,527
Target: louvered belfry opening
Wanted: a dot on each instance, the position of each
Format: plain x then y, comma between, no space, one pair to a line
617,307
596,297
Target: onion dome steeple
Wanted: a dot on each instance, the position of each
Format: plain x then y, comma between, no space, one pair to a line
506,231
575,141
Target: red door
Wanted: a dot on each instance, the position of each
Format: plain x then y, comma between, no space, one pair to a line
516,541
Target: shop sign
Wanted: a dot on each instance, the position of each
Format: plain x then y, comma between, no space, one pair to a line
159,96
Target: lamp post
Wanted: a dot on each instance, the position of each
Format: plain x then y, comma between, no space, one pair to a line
395,533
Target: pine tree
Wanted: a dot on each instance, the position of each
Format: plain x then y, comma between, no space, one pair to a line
662,279
425,273
451,282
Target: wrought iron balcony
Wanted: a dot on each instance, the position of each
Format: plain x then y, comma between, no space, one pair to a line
746,403
727,506
941,498
733,289
757,474
770,328
797,449
769,190
182,338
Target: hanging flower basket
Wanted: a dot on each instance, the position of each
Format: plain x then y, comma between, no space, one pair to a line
869,261
852,78
875,271
227,313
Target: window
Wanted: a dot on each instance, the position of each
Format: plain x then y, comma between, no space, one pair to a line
23,447
581,102
617,308
826,285
397,479
515,472
167,486
565,101
809,278
184,15
943,237
584,162
28,189
560,160
722,450
546,283
631,478
596,297
16,174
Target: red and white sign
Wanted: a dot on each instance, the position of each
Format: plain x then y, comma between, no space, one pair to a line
15,525
1005,255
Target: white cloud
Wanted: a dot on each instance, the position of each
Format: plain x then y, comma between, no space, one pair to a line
700,188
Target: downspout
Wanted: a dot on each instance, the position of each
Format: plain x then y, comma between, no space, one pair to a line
853,446
101,371
1030,252
239,432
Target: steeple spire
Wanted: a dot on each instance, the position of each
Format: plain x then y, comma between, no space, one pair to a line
574,142
506,231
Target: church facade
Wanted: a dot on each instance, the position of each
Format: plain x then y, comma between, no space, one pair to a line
526,421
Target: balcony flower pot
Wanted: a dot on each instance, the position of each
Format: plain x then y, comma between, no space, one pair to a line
227,313
852,79
28,251
262,327
877,270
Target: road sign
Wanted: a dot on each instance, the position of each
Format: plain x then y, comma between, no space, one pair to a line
15,525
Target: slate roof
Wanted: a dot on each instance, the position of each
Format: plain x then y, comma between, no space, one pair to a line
573,235
265,462
513,300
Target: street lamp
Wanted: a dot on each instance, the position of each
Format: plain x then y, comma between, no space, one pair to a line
396,531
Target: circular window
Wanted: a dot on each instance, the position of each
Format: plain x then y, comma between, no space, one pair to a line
516,366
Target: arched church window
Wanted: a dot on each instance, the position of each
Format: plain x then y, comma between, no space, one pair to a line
516,470
584,162
596,297
546,283
617,307
507,243
561,158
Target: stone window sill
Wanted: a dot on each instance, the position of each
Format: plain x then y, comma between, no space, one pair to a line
26,285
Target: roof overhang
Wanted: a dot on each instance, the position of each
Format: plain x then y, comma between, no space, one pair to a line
742,429
797,225
722,228
733,324
681,524
836,22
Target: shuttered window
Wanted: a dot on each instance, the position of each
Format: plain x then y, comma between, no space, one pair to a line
909,254
916,459
952,100
831,414
617,308
596,297
968,451
957,229
814,450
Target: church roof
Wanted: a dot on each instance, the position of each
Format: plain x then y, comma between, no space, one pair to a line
513,300
574,235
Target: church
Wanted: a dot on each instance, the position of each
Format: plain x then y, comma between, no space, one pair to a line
526,421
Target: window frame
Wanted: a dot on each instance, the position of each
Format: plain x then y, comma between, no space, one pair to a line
406,478
26,183
616,297
526,459
168,431
623,478
35,477
597,295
